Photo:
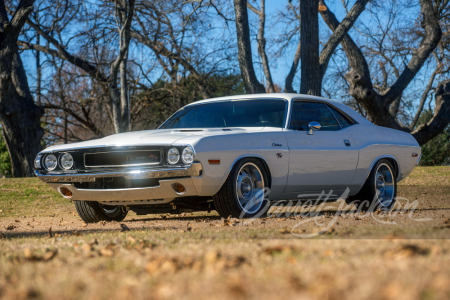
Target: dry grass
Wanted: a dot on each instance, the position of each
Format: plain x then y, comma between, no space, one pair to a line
48,253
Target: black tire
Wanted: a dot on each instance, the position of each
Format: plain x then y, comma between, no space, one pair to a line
231,202
382,177
93,212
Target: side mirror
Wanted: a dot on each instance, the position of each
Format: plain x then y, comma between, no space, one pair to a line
313,126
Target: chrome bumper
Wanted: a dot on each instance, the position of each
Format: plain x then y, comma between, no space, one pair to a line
193,170
162,193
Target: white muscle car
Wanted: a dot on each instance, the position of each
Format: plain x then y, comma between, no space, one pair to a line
235,155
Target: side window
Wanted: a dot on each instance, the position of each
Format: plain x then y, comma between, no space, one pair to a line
343,120
305,112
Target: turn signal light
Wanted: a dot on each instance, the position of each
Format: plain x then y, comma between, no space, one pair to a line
65,192
178,188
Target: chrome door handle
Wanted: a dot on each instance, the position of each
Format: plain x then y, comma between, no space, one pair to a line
347,143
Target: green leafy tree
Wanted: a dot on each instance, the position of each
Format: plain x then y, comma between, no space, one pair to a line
163,99
5,162
437,150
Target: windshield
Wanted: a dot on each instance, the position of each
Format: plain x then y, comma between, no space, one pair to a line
238,113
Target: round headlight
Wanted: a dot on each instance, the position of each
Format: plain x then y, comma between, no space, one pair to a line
50,162
187,156
173,156
66,161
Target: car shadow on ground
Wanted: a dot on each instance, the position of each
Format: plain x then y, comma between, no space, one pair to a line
121,226
78,232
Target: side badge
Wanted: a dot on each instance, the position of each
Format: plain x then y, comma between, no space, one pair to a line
279,155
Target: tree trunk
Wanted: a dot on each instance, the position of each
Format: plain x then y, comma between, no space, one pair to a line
311,82
19,116
124,97
262,44
290,76
252,85
119,96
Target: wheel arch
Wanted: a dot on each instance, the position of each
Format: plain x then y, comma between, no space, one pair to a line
389,158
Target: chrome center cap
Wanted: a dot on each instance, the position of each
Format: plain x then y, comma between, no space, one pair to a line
246,188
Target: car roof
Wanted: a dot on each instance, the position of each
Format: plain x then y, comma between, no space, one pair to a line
288,96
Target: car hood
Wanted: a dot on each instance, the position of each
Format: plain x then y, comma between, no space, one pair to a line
154,137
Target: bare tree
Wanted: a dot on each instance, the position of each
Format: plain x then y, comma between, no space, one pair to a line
313,66
252,85
118,92
119,97
19,116
378,105
261,13
309,39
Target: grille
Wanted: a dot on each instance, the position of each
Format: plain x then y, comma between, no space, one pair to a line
122,158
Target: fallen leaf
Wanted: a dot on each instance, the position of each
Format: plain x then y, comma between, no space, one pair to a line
408,250
124,227
285,230
86,248
11,227
227,221
273,250
48,255
106,252
131,239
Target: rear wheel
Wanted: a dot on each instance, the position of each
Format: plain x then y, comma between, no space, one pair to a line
92,212
243,194
380,189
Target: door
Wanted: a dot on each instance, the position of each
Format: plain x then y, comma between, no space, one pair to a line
324,160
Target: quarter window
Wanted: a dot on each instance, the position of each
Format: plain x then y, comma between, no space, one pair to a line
305,112
343,120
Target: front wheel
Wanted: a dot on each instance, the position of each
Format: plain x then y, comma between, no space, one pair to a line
243,194
93,212
380,189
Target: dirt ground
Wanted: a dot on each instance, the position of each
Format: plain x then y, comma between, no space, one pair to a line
329,251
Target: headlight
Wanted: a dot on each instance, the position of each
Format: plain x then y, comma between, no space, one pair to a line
173,156
66,161
187,156
50,162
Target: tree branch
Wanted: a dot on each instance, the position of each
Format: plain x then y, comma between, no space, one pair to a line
441,116
431,39
62,53
339,33
423,99
19,18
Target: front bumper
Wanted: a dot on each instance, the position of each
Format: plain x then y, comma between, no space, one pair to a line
162,193
194,170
